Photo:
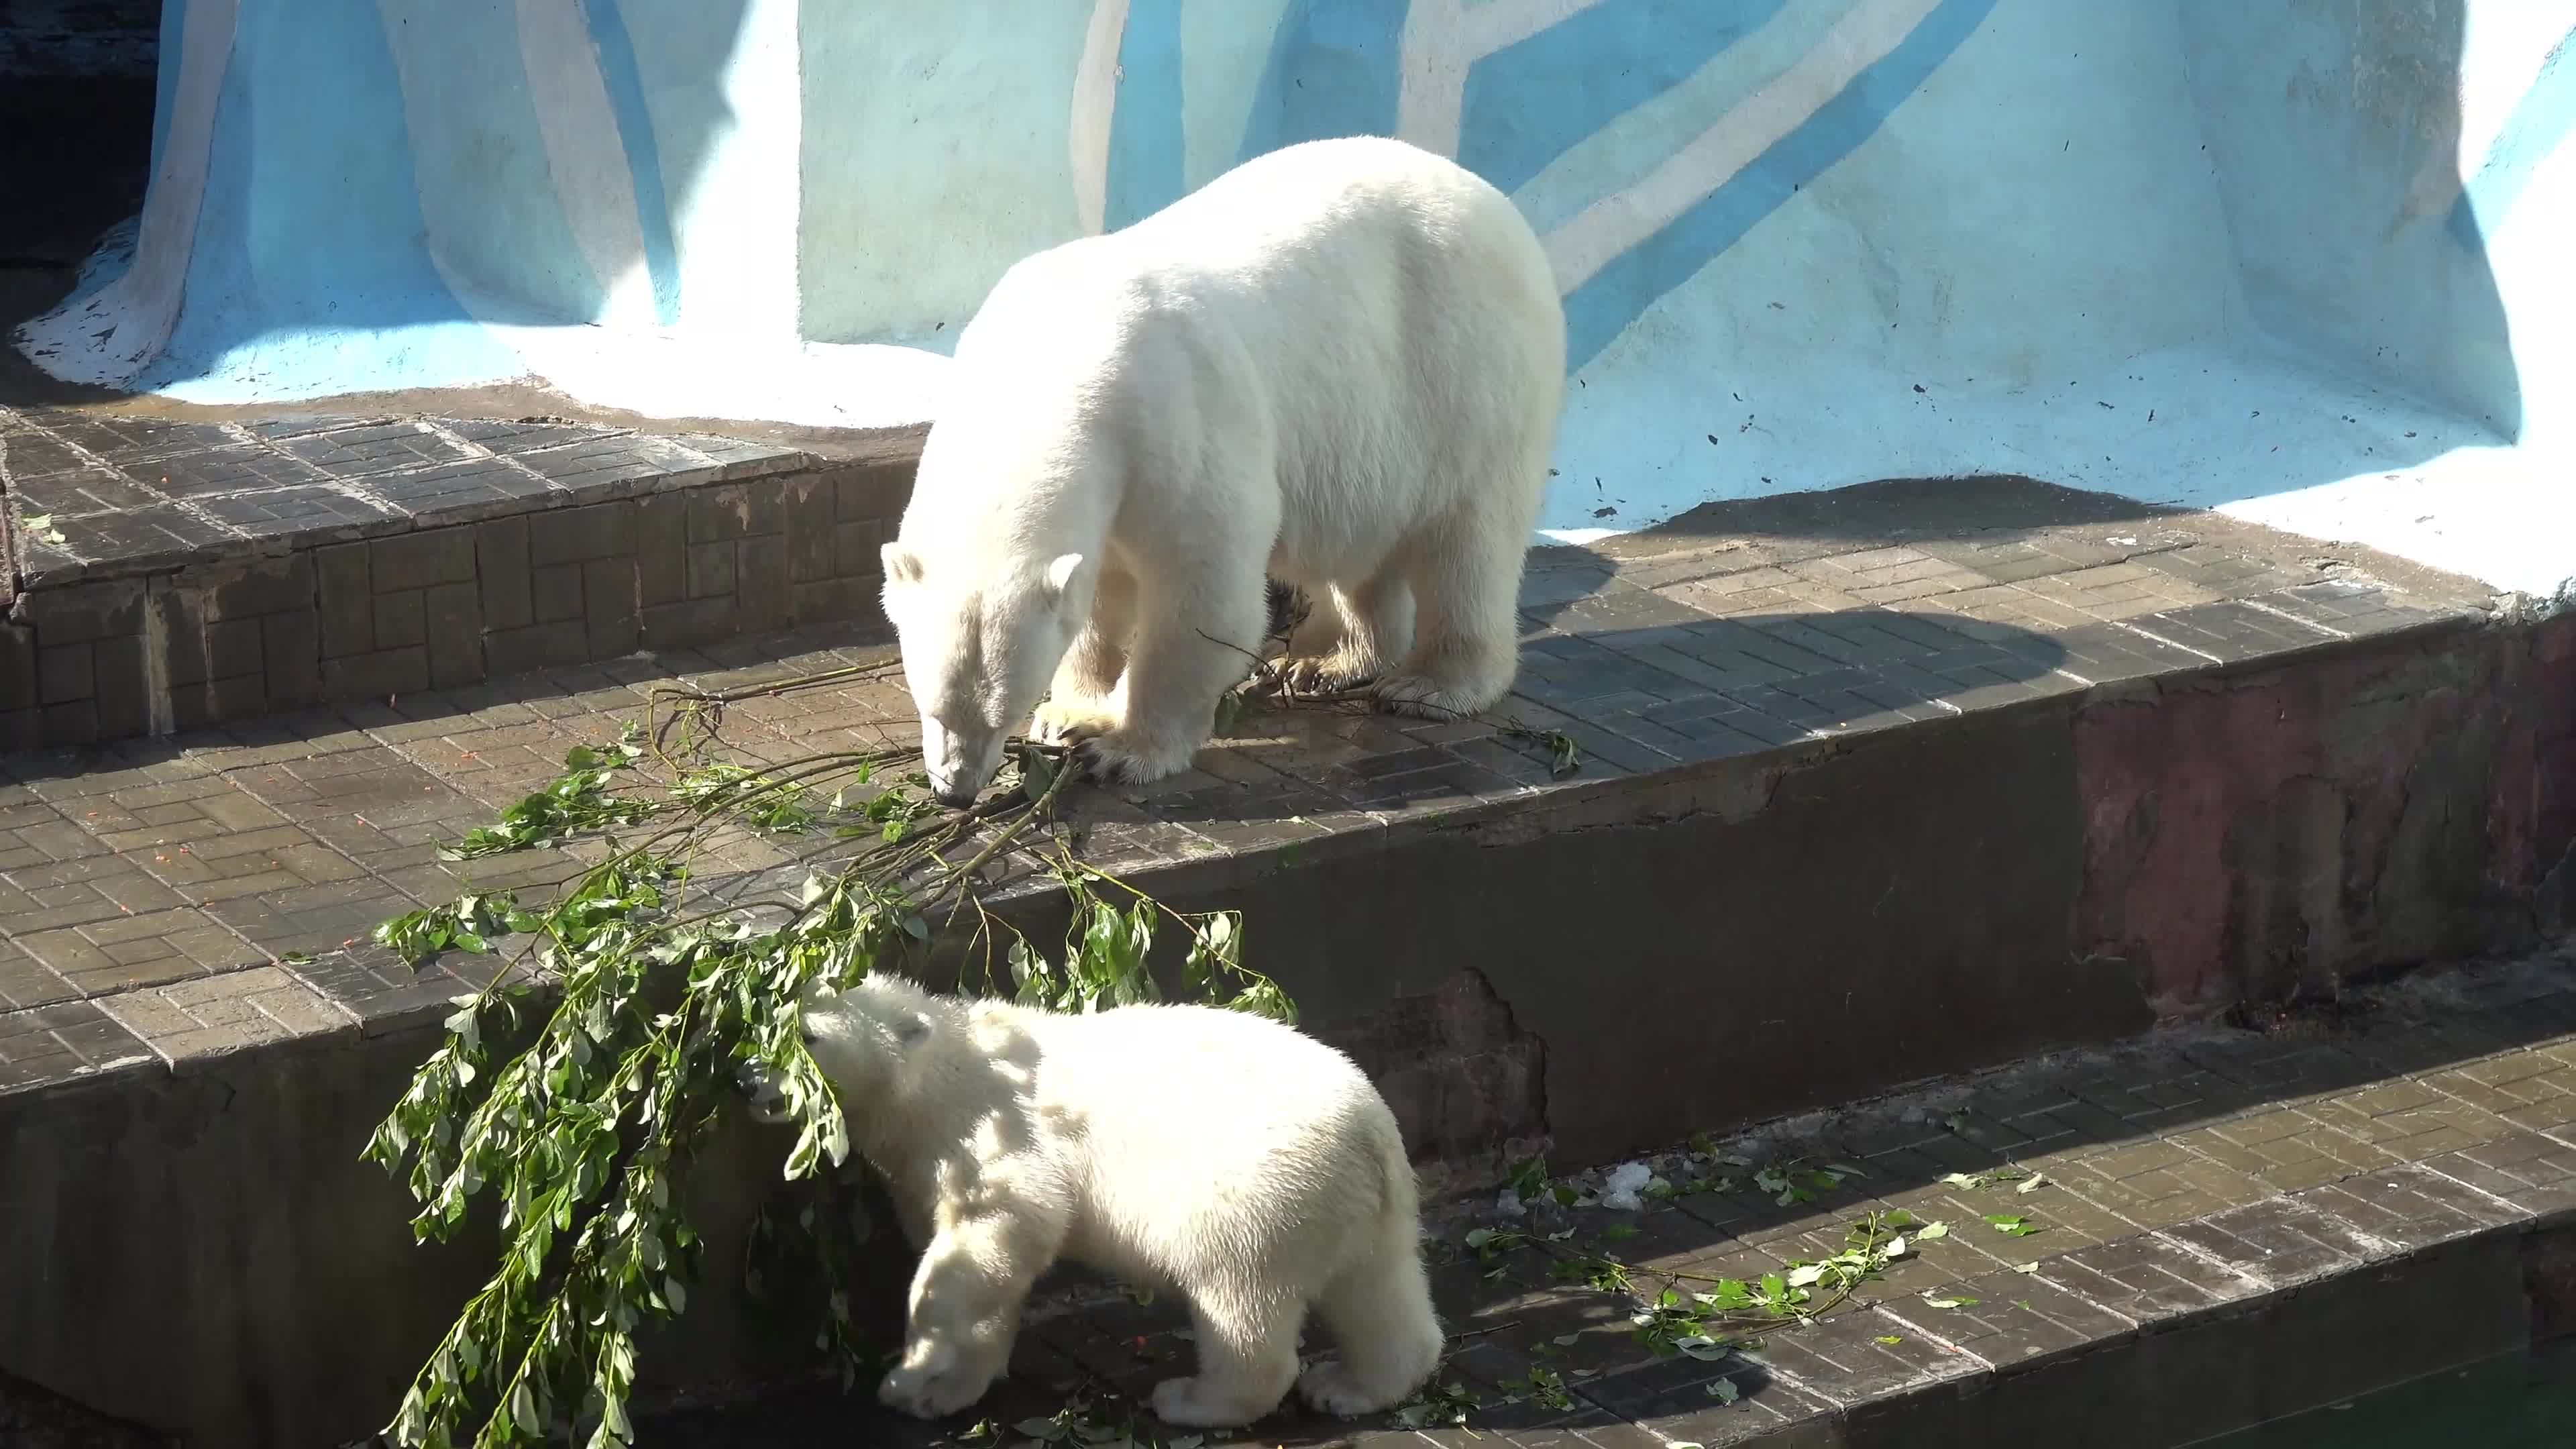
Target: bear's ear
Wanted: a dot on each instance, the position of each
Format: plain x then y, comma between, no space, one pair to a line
1059,574
902,565
910,1030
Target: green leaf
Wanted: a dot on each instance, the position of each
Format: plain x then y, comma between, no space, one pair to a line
1722,1390
1948,1301
1037,774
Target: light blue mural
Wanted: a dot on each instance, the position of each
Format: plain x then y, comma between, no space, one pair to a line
2302,261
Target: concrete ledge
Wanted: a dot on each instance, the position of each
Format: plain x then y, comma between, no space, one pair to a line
2232,1227
1907,780
196,573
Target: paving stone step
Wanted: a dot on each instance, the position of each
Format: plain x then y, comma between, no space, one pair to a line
171,575
2225,1227
1873,786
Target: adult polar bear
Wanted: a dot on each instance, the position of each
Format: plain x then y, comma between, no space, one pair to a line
1240,1161
1338,365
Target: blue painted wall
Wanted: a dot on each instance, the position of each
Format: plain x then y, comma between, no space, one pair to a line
2194,250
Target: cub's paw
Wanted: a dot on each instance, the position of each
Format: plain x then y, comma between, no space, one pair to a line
1070,721
1120,757
1189,1404
934,1389
1333,1389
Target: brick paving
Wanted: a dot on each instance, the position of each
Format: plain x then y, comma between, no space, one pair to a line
172,574
165,902
2188,1177
134,867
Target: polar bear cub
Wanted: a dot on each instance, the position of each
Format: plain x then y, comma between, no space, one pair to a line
1338,366
1238,1161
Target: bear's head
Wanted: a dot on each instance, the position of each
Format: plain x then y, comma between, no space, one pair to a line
868,1039
979,649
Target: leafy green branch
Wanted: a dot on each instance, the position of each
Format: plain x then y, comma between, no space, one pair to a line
574,1088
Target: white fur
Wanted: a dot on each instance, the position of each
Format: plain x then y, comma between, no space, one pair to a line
1339,365
1237,1161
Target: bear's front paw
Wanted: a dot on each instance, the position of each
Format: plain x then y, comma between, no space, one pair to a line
1421,698
933,1389
1070,722
1118,757
1312,676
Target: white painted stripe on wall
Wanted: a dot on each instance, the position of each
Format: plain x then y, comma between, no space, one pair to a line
1442,41
1095,107
735,215
1632,144
1495,24
142,304
584,156
667,375
1609,227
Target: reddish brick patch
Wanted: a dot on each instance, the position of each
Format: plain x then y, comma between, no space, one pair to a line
2249,838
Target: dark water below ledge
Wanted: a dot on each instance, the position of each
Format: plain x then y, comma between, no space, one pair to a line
2504,1403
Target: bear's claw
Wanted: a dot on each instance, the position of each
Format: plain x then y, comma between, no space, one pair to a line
1104,760
1421,698
1321,677
1069,722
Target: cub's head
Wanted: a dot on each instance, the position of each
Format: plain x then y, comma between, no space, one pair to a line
979,648
866,1038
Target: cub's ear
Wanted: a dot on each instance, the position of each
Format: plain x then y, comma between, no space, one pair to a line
902,565
910,1030
1059,574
